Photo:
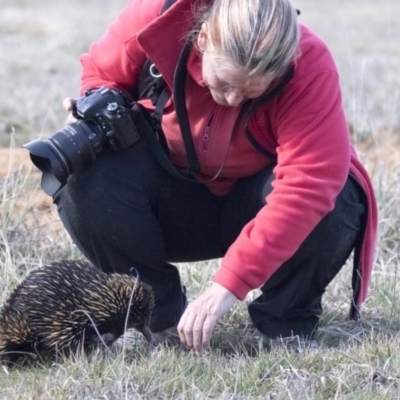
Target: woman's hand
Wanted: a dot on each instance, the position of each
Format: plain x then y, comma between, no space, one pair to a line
201,316
69,104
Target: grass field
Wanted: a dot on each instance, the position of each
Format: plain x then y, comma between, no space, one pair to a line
40,43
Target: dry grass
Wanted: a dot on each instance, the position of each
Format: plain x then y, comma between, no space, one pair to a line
42,42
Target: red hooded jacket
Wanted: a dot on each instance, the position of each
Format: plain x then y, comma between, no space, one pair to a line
304,127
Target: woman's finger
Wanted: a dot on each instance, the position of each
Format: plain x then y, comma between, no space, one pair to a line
185,328
197,332
69,103
208,328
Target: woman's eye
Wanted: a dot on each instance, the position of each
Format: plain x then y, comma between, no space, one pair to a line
226,90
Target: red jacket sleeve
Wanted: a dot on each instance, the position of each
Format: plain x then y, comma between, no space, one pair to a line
116,58
313,152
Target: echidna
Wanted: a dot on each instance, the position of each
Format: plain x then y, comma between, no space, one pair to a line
68,306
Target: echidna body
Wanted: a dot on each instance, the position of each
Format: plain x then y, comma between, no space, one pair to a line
66,306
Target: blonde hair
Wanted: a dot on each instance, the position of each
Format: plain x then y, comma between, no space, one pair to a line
260,36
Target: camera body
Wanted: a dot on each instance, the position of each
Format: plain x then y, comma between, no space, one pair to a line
110,111
105,120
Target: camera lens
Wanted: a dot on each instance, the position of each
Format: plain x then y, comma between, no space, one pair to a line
65,153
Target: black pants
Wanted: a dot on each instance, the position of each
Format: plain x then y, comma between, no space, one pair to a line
125,213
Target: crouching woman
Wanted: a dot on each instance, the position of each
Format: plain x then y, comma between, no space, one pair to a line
279,194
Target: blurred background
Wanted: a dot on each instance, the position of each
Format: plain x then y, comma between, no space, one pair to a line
364,37
41,41
40,45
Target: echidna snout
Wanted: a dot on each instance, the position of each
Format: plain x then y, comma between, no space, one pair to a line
147,302
140,305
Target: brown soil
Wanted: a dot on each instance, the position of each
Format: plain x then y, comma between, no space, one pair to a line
18,160
37,206
12,160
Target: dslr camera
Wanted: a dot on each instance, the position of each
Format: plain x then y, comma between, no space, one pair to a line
105,120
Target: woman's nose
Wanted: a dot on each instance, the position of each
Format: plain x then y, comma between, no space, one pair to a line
234,97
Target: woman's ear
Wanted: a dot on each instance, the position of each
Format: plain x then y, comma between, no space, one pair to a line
202,38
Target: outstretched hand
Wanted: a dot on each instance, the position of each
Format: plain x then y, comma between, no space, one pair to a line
200,317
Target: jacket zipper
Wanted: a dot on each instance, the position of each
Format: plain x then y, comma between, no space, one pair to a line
206,136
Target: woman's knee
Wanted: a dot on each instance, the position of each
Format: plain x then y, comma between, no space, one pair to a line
129,177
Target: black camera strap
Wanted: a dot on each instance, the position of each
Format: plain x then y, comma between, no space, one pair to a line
147,124
179,95
159,95
152,85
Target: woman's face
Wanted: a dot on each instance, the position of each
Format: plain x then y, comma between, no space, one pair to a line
229,84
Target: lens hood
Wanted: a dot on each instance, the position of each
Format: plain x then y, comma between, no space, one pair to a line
51,162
